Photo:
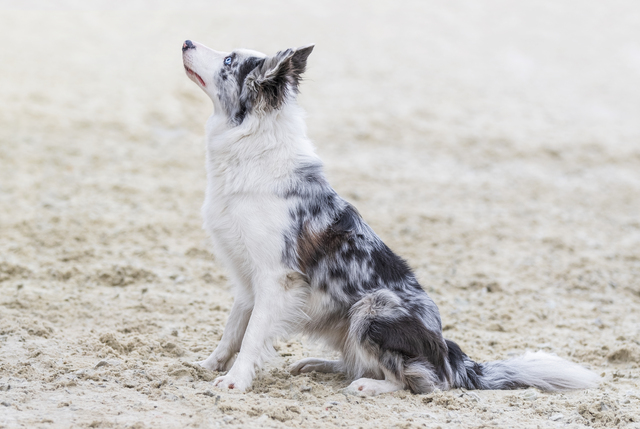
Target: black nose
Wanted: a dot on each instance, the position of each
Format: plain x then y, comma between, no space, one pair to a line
187,45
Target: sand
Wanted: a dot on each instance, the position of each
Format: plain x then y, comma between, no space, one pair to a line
494,145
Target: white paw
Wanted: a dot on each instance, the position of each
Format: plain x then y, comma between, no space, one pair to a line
370,387
232,383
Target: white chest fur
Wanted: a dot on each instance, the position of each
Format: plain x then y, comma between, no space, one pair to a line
244,209
247,228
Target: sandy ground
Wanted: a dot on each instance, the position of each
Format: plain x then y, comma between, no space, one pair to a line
495,146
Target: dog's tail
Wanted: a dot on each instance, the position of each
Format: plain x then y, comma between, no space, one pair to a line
539,369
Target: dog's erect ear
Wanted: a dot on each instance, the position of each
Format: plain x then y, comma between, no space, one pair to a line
280,74
299,59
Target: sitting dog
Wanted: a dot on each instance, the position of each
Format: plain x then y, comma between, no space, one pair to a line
302,260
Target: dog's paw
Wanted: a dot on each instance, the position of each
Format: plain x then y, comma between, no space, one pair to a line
300,367
370,387
211,365
217,362
313,364
232,383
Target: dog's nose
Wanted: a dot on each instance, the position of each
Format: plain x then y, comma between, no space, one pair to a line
187,45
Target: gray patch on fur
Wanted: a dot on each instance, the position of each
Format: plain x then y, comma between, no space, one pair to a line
259,80
230,83
394,327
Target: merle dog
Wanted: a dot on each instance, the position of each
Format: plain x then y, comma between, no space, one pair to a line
302,260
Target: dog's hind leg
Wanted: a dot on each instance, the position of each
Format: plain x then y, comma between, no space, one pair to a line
399,373
392,347
318,365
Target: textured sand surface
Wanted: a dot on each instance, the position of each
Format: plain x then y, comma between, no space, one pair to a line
494,144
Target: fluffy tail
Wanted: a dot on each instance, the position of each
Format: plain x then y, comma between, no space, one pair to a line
539,369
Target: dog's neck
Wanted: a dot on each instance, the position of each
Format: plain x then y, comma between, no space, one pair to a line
262,149
265,130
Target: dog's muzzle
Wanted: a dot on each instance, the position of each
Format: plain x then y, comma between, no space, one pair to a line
187,45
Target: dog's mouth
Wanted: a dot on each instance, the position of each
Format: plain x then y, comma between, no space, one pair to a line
195,76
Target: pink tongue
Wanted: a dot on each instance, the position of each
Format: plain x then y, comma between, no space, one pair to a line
200,79
196,75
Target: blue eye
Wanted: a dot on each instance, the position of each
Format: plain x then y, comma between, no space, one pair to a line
227,61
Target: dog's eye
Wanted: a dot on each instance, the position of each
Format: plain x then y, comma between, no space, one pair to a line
227,61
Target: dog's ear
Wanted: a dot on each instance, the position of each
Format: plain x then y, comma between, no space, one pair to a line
299,59
280,74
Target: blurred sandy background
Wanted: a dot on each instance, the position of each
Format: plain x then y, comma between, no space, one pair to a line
494,144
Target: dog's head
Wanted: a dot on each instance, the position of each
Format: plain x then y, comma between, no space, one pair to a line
245,82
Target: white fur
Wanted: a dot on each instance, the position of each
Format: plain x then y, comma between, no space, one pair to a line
372,387
246,167
542,370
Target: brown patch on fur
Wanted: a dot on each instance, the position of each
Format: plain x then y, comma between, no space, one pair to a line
293,281
309,243
314,245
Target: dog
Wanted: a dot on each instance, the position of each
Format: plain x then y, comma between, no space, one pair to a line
303,261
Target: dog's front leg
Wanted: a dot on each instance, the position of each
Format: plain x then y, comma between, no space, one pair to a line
275,310
231,340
